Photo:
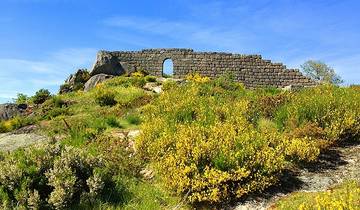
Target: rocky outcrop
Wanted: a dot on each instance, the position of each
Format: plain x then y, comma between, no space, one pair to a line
94,80
10,142
107,64
153,87
8,111
75,81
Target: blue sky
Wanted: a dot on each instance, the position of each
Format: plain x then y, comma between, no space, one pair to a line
43,41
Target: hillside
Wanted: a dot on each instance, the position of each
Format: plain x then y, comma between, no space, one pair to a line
141,142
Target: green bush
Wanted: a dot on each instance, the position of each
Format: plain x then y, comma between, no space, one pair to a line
333,109
65,88
63,177
149,78
56,112
113,122
21,99
41,96
16,123
133,119
105,98
78,86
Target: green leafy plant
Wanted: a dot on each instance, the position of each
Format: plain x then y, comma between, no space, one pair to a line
149,78
105,98
21,98
41,96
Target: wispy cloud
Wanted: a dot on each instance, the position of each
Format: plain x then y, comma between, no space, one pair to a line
188,33
284,31
27,76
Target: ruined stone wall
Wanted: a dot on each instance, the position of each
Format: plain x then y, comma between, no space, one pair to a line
251,70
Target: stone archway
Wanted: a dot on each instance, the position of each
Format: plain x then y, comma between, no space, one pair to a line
168,67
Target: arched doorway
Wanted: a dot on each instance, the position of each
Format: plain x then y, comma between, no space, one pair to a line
168,68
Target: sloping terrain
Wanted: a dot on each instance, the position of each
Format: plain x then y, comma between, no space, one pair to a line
201,143
335,167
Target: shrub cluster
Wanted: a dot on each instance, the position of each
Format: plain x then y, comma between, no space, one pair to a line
199,138
125,82
345,196
15,123
60,177
149,78
41,96
328,113
105,97
197,78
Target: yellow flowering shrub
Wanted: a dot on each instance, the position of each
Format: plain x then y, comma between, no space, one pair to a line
329,111
138,74
15,123
199,139
197,78
345,196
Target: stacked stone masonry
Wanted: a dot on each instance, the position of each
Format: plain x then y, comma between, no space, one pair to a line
251,70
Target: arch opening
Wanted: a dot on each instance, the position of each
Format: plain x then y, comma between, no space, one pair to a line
168,68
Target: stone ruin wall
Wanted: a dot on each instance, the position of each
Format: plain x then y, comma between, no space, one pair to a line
251,70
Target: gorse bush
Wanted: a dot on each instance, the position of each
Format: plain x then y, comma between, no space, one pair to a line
197,78
105,97
199,138
333,111
138,74
345,196
15,123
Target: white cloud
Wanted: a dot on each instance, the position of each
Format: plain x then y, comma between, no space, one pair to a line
27,76
189,33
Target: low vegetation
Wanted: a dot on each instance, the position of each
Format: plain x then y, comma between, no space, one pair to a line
345,196
208,142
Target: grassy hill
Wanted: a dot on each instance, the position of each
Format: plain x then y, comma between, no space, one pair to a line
202,143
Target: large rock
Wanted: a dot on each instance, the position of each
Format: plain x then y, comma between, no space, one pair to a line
75,81
94,80
106,63
10,142
8,111
81,76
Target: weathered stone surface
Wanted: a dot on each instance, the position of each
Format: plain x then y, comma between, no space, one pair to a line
10,142
107,64
153,86
94,80
81,76
8,111
75,81
251,70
